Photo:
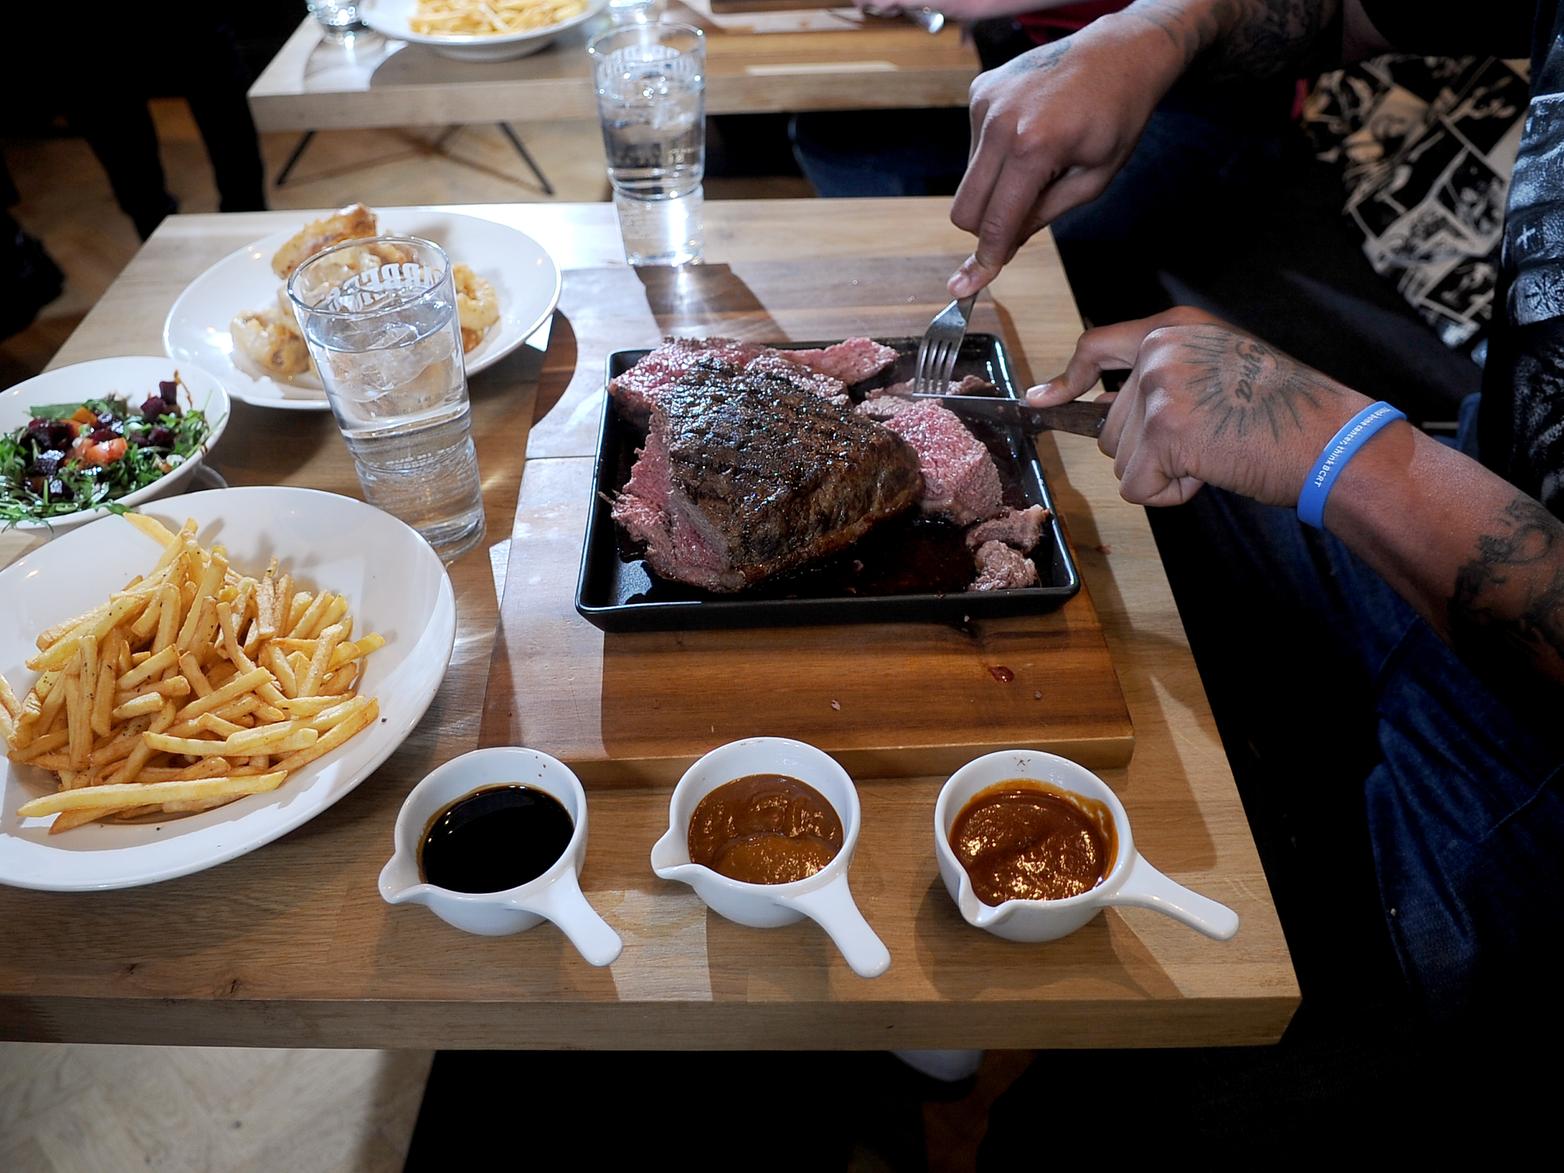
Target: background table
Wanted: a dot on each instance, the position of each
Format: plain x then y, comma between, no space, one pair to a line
311,85
291,945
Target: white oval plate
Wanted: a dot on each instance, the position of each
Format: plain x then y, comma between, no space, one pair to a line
524,276
394,584
135,378
392,19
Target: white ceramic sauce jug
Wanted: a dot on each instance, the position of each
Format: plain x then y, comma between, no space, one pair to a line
823,897
1130,881
555,895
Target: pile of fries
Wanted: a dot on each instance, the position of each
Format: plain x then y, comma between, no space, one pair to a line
190,688
476,18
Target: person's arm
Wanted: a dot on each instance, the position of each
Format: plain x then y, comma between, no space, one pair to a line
1052,127
1206,403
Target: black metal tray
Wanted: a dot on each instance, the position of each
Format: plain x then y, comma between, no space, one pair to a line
906,570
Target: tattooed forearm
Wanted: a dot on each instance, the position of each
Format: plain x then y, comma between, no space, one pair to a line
1513,589
1256,391
1242,38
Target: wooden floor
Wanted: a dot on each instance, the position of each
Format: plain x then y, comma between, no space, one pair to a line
81,1108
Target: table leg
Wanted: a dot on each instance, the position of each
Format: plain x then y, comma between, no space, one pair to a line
293,159
521,149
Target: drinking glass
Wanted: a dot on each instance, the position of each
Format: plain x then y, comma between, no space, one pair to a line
634,11
651,101
380,319
339,18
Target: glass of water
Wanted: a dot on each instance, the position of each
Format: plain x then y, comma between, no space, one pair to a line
380,318
651,100
338,18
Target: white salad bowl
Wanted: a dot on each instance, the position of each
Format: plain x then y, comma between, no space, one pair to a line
134,378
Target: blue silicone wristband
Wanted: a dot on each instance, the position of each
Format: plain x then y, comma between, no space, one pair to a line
1343,446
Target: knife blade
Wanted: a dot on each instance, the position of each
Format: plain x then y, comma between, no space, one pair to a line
1081,417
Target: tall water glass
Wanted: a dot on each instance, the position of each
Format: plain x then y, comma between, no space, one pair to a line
380,319
339,19
651,100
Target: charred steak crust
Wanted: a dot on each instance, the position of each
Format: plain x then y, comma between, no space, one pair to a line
774,475
828,371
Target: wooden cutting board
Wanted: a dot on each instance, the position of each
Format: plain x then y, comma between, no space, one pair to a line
889,700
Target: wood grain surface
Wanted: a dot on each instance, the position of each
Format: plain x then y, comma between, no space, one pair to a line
292,946
315,85
886,699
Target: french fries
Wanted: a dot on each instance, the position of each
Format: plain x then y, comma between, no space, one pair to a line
194,686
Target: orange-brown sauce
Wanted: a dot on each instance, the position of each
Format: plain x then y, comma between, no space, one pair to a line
765,829
1026,840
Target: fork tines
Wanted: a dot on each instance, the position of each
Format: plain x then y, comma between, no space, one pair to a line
939,347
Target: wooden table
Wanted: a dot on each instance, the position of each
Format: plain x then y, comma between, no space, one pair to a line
292,946
311,85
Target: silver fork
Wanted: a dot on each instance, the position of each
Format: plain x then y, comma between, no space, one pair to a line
941,343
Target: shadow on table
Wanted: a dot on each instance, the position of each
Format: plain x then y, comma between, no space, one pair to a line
293,439
985,964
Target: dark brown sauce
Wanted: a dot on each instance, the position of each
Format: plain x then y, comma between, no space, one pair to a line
492,839
1026,840
765,829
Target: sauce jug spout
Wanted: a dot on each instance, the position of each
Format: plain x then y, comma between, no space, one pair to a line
669,858
400,883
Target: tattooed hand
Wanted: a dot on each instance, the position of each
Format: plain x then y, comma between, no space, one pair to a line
1204,403
1049,130
1053,126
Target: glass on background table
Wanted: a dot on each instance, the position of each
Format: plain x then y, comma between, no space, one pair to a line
339,18
651,101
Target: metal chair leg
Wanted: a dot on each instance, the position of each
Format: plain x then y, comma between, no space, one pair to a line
293,159
521,149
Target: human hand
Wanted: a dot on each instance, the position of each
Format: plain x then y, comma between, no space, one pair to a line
1205,403
1050,129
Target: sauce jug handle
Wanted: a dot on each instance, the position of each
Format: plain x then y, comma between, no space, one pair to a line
563,903
1146,887
831,907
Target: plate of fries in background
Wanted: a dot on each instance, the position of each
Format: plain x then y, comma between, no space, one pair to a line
181,686
478,30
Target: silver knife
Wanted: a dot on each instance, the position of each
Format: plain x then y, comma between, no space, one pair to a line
1081,417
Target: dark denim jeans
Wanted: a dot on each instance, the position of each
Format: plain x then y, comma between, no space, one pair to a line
1355,726
1410,818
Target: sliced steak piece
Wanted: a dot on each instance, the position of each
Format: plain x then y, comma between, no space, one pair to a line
967,385
744,475
959,477
773,362
1018,528
827,371
851,361
636,390
1000,569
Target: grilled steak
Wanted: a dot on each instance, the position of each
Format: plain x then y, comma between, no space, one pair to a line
746,473
960,479
827,371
